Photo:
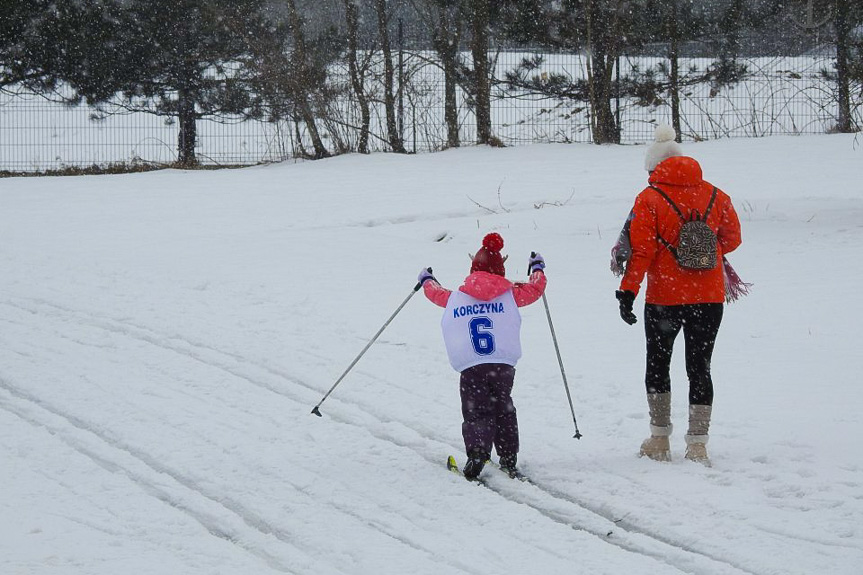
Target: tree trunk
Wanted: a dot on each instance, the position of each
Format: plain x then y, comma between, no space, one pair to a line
480,14
389,98
300,87
843,32
601,60
352,16
446,42
309,119
604,126
451,102
188,135
735,24
673,55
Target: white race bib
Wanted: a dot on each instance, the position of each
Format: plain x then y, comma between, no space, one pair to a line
477,331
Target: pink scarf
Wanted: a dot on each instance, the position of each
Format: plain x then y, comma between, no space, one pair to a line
735,288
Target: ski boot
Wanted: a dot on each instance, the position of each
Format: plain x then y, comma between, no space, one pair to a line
475,462
507,465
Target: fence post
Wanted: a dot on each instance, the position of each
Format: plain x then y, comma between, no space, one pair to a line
617,99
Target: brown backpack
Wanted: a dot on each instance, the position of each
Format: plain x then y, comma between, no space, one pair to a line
696,245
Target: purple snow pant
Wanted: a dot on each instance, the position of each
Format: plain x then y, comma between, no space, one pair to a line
488,411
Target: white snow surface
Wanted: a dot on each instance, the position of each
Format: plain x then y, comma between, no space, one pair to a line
164,336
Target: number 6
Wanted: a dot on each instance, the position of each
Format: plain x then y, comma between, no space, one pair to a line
483,341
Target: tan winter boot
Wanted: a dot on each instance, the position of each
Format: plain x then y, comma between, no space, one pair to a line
696,438
657,446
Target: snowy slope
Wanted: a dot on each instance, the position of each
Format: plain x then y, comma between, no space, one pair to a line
164,336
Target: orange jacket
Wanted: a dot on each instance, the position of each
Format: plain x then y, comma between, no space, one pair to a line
667,283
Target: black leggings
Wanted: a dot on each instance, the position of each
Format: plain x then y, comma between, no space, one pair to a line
700,323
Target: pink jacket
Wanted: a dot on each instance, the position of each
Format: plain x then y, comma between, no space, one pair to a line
485,287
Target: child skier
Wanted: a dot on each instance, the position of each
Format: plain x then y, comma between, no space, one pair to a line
481,326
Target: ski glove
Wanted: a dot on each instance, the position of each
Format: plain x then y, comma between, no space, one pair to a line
626,299
425,275
536,262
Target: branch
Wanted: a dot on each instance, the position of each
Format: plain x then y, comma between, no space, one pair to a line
557,203
479,205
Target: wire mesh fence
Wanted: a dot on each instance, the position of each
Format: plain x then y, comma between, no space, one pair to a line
773,95
38,134
776,95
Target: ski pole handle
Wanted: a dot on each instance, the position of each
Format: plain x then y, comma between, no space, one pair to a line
419,284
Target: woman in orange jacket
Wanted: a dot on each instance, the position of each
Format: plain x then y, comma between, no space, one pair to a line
677,297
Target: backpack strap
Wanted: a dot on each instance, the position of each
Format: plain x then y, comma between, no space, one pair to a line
673,205
710,205
676,209
670,247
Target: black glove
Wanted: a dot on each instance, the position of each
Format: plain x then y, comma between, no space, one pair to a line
626,299
425,275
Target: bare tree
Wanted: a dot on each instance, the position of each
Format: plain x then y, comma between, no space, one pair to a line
603,31
357,73
395,138
446,41
479,15
840,13
842,22
300,84
442,17
673,56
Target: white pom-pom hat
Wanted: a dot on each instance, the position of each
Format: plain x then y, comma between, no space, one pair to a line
662,148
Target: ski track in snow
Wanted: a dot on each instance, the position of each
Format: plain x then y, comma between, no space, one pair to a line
183,494
148,474
85,438
230,520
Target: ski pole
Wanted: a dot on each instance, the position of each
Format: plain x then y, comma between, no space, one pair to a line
316,410
559,359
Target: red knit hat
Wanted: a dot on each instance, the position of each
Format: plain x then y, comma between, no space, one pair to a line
488,258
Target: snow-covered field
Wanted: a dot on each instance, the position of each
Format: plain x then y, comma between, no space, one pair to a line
164,336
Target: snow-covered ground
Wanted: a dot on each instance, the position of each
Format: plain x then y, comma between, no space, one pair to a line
164,336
